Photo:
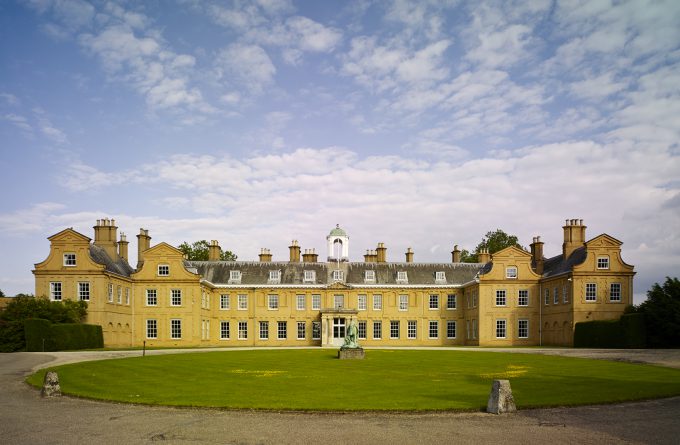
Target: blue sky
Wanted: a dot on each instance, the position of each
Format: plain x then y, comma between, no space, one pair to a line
417,124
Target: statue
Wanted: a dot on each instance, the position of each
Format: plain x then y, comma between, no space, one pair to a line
351,336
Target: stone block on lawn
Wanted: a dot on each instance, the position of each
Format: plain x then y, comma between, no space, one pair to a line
51,386
500,399
351,354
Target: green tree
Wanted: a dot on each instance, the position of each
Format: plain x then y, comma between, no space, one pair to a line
23,307
662,314
198,251
2,294
493,241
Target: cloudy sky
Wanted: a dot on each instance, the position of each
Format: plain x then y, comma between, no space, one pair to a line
418,124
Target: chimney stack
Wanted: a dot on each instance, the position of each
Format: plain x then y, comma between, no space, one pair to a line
455,254
537,255
371,256
265,255
123,247
143,243
294,249
310,256
381,253
409,255
483,256
214,251
574,236
105,236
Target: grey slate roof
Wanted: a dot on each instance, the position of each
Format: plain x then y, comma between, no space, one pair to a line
118,266
257,273
558,265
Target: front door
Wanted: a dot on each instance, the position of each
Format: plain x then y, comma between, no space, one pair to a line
338,331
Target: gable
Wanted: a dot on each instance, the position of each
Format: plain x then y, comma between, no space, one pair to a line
69,236
603,240
511,252
163,249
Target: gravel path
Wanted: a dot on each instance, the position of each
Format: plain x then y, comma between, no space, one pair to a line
28,419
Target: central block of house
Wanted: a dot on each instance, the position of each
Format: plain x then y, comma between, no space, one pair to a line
512,297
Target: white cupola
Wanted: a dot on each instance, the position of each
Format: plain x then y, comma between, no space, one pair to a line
338,245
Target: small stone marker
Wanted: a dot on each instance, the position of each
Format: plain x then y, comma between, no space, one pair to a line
51,386
500,399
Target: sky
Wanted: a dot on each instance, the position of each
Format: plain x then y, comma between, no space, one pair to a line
418,124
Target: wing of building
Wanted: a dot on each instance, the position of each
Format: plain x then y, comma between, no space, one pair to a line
512,297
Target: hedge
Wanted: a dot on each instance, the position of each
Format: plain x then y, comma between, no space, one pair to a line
61,336
627,332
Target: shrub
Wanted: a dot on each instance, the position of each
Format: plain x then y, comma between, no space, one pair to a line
41,335
627,332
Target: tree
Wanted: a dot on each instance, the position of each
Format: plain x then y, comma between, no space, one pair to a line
198,251
2,294
494,242
662,314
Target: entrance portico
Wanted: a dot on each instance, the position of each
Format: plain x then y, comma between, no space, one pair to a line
334,322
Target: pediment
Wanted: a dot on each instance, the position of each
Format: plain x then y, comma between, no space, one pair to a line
603,240
69,235
338,286
511,252
163,249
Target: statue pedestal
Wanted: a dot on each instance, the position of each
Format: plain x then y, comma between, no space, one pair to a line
351,354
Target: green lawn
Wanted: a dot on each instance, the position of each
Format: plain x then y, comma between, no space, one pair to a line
385,380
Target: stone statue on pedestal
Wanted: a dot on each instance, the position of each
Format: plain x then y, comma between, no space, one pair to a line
351,336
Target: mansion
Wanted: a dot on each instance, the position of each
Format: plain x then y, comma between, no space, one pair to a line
509,298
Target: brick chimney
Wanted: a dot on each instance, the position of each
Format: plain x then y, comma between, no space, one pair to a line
123,247
537,255
455,254
143,243
265,255
294,249
483,256
310,256
370,256
214,251
105,236
574,236
409,255
381,253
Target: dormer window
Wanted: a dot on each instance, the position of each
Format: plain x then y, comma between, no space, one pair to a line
511,272
440,277
310,276
603,262
69,259
338,275
274,276
369,276
234,277
402,277
163,270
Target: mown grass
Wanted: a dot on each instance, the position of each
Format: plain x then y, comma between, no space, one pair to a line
385,380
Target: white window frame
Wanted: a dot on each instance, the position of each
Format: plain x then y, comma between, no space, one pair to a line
110,293
565,294
501,328
402,277
175,297
301,330
70,259
377,329
273,302
377,302
151,328
603,262
316,330
281,330
615,297
274,277
556,295
338,275
361,302
338,301
440,277
451,302
511,272
225,330
119,291
242,302
433,302
310,276
394,329
403,302
450,323
501,298
523,297
264,330
151,295
591,292
433,327
127,296
163,270
301,302
84,290
243,330
234,277
412,329
547,296
176,328
225,302
369,276
56,291
361,329
316,302
523,329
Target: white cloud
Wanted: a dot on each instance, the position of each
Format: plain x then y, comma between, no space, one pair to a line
19,121
246,65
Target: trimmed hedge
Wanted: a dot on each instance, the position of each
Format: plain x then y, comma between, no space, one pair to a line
627,332
61,336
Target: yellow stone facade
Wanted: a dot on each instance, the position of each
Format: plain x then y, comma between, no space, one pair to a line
510,298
